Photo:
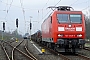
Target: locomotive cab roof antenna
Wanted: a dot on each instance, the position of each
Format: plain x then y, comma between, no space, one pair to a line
61,8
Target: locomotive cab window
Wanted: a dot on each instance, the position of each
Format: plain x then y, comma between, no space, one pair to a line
62,18
75,18
69,18
51,19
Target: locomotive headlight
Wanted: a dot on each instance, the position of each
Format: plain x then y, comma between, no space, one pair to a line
60,35
80,35
60,28
78,28
69,25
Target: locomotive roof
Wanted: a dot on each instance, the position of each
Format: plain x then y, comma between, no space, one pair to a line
67,12
61,8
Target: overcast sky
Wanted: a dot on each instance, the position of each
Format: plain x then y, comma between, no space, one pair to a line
37,9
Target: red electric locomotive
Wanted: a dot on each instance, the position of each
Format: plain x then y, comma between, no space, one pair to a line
64,30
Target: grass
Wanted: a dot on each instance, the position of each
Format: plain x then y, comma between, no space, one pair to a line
87,45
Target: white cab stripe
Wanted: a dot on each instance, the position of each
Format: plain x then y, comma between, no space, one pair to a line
78,28
60,28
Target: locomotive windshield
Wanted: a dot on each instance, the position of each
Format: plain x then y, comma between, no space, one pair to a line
69,18
75,18
62,18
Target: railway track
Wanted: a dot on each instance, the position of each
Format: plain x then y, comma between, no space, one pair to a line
20,51
87,48
15,50
76,56
54,52
86,51
30,54
23,49
83,56
5,52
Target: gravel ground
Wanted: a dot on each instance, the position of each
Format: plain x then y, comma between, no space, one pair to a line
87,45
85,52
18,55
8,49
75,58
37,54
2,54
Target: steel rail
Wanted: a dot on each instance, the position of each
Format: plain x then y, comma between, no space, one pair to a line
21,52
14,49
87,48
5,51
29,52
82,56
62,56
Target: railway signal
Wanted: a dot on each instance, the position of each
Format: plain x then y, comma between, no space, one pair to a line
3,26
30,25
3,29
17,22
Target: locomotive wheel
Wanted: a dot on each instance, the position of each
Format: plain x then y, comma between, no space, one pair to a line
53,47
66,48
48,45
73,49
83,46
42,42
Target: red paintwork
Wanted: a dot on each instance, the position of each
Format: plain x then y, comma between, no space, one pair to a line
51,30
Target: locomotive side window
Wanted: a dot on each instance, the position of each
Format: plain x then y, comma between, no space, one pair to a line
62,18
75,18
51,19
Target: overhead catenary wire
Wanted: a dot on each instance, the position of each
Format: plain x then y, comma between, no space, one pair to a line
74,2
45,4
43,7
58,2
86,8
22,9
23,13
6,6
10,4
18,6
50,10
8,9
78,3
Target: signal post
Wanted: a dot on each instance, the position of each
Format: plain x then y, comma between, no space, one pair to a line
17,29
30,27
